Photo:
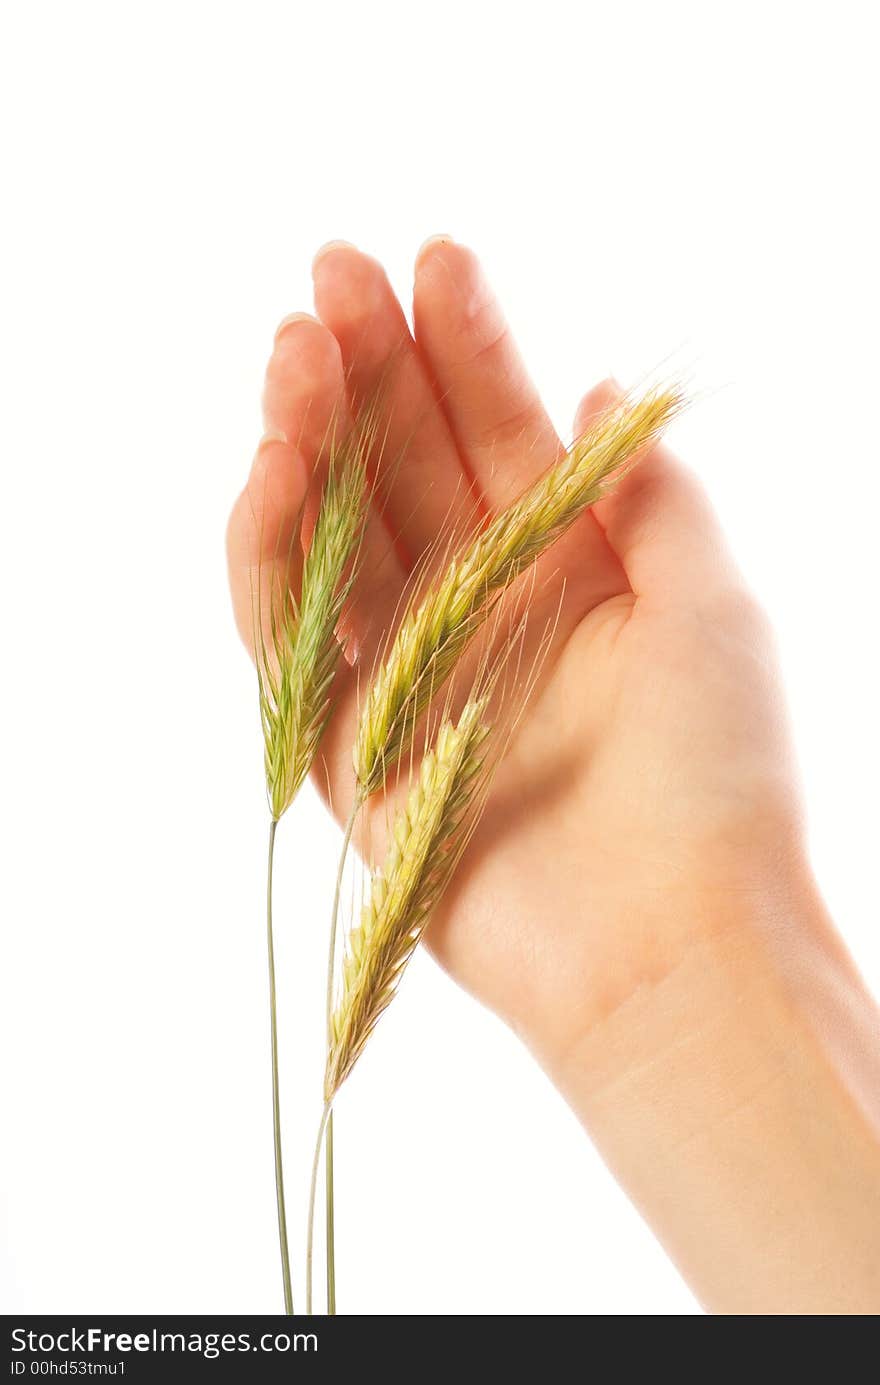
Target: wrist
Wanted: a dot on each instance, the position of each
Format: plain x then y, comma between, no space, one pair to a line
737,1102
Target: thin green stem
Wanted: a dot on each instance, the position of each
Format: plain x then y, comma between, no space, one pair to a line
330,1218
334,917
276,1104
331,973
310,1242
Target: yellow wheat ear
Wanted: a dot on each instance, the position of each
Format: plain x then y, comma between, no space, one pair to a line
435,631
427,838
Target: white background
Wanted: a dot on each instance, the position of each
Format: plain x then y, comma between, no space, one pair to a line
642,181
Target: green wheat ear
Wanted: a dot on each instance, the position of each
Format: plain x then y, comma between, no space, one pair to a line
297,663
435,630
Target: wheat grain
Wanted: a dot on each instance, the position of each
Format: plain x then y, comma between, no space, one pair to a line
427,838
433,633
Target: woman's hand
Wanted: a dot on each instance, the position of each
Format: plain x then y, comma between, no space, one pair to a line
637,901
651,775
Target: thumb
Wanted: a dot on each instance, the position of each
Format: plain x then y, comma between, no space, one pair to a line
660,522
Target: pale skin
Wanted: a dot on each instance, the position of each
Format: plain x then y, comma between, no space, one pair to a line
638,902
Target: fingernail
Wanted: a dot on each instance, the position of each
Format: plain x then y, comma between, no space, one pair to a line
271,435
427,245
290,320
351,650
328,249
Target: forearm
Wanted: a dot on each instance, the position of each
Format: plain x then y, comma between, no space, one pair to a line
738,1102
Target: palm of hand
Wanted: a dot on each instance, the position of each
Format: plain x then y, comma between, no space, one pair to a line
652,756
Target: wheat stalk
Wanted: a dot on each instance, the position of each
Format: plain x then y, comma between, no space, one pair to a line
434,633
428,836
295,671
